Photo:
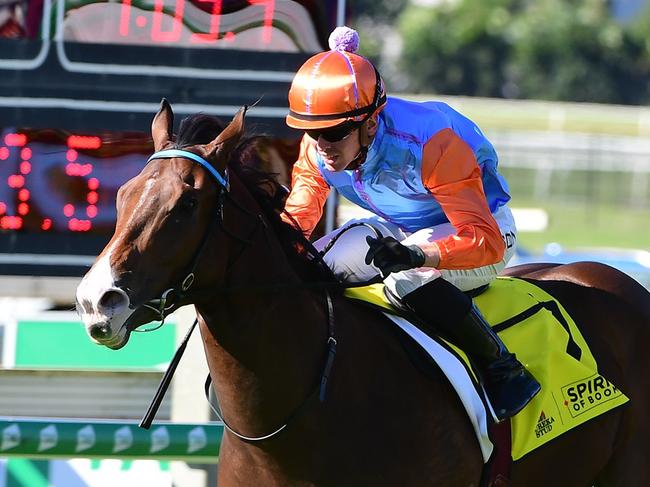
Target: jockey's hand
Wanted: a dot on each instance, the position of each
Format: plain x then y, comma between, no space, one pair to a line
389,255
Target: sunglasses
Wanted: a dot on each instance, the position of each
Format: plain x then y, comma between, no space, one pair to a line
334,134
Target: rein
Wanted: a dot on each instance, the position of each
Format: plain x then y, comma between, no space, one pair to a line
320,389
173,298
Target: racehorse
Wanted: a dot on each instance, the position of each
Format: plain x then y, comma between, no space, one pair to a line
200,226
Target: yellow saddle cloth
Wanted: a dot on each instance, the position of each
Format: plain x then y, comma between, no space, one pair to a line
546,340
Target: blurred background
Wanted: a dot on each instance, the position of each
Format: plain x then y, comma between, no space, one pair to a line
561,88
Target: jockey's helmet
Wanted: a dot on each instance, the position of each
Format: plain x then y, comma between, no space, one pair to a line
335,86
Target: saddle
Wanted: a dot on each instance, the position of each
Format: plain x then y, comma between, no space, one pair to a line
525,316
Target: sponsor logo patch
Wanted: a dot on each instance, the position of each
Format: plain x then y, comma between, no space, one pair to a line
544,425
582,396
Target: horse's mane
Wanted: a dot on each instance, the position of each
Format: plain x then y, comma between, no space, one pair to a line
198,129
270,195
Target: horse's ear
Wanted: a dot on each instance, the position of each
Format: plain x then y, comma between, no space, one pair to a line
228,139
162,125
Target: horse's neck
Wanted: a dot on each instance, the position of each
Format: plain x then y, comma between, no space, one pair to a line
264,343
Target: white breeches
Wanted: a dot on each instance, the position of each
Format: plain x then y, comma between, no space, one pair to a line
346,257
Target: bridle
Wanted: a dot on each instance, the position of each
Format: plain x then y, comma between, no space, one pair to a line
178,295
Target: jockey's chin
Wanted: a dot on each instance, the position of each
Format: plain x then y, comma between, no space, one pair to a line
335,162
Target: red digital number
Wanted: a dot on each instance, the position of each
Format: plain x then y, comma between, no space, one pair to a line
14,213
215,19
269,10
125,18
76,168
174,25
174,35
16,142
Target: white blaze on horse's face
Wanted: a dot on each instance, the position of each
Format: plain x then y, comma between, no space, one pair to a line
103,306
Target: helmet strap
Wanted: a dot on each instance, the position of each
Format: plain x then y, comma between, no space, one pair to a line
364,138
364,142
359,159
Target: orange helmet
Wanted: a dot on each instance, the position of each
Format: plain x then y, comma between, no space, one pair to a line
335,86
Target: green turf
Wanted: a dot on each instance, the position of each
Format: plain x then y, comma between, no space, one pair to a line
585,209
582,224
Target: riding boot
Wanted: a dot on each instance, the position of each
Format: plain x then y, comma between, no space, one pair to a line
507,383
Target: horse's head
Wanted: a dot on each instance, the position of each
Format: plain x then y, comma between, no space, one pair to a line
163,216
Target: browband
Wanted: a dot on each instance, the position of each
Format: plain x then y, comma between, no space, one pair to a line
170,153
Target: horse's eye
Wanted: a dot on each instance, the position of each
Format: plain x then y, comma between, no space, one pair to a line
188,204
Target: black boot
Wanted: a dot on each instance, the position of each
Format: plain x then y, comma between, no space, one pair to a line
507,383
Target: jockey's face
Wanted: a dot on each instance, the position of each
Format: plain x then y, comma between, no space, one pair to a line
338,154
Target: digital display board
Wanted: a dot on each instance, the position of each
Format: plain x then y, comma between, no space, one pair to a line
169,25
81,80
261,25
54,181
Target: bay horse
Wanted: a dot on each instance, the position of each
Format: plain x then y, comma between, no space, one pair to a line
201,227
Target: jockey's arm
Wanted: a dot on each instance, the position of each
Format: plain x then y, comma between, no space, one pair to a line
309,190
452,175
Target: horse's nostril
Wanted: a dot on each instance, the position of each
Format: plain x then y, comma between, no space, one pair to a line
100,331
113,300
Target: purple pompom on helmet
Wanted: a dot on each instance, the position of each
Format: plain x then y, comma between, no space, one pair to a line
344,39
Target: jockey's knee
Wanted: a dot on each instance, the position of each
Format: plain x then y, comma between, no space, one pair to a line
345,251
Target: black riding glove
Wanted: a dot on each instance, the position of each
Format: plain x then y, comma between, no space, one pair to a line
391,256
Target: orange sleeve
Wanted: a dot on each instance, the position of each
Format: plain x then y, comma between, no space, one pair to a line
452,175
309,190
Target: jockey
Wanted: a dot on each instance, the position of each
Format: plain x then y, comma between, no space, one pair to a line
429,176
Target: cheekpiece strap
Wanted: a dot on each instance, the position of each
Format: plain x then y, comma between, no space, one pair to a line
171,153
